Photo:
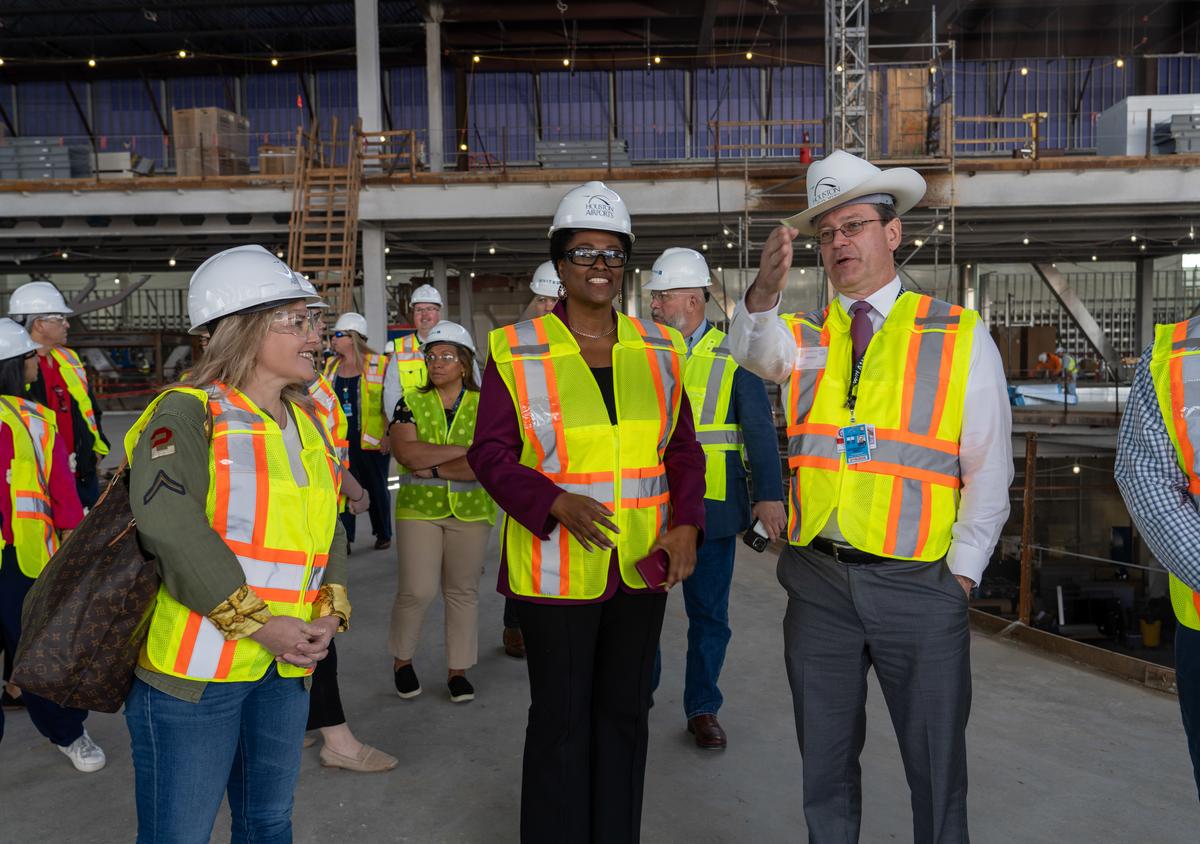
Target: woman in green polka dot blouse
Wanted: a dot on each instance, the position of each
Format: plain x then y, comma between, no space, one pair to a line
443,516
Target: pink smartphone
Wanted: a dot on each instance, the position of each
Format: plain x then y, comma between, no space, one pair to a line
653,568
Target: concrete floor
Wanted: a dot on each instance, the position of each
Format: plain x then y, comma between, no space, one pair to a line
1058,753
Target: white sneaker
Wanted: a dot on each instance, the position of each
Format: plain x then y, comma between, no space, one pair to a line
85,754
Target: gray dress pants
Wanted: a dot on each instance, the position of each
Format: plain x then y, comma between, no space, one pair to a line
909,621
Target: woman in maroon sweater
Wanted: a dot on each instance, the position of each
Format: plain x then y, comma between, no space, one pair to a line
590,657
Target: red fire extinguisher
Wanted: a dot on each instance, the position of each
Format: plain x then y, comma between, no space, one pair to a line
805,152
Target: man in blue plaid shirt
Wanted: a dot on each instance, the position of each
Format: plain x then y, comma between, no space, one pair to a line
1162,497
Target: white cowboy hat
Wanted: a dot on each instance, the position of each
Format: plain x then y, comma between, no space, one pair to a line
840,178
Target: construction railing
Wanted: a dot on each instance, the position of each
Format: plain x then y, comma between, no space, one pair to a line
764,138
388,153
1025,132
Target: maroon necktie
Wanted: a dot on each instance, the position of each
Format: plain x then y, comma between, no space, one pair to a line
860,329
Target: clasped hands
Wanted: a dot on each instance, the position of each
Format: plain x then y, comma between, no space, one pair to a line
297,642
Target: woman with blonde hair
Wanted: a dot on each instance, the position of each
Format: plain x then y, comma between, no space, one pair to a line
234,486
356,373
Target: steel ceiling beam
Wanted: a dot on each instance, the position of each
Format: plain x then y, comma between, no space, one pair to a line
1078,311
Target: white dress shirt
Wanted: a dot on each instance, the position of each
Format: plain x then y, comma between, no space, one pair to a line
763,344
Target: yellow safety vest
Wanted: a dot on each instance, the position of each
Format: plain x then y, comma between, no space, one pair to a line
280,532
567,436
708,380
437,498
408,361
370,397
1175,369
70,367
33,435
903,502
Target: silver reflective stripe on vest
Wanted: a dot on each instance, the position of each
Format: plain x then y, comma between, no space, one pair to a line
914,456
712,391
206,652
929,367
602,491
243,468
641,489
719,437
408,479
537,410
1189,366
464,486
908,526
288,577
804,384
657,339
812,445
804,381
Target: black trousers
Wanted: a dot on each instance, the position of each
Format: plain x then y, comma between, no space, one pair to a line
370,469
585,747
324,699
1187,678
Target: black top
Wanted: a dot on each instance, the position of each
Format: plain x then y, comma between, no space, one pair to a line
347,393
604,380
402,415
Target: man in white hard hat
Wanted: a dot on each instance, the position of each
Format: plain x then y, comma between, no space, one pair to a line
900,456
62,383
406,367
733,422
546,291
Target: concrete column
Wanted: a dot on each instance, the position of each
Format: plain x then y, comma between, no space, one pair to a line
466,302
631,292
1143,325
433,85
374,296
366,48
439,281
968,286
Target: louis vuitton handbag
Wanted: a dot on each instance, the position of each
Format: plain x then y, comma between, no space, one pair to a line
86,615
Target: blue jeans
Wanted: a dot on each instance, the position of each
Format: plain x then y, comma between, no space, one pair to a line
244,738
706,599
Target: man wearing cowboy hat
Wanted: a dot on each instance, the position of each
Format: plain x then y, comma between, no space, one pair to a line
900,455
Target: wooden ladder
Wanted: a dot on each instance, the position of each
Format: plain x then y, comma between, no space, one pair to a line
323,231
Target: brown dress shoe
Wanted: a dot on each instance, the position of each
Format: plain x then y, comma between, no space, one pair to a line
514,642
708,732
382,544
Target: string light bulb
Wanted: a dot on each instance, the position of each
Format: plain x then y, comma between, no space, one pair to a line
462,147
1191,232
491,250
279,253
918,243
91,62
476,58
1095,258
387,250
274,61
703,247
566,62
932,70
1133,238
1120,62
658,59
65,256
183,54
1024,71
1142,247
1,62
839,69
749,55
1025,240
941,226
1076,469
170,262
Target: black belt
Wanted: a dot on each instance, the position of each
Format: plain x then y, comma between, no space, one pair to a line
844,553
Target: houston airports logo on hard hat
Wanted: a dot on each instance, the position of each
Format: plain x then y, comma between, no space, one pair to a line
598,206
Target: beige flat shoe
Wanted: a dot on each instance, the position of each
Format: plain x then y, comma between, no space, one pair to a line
370,760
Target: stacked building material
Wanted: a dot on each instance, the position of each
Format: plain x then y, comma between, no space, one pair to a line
211,142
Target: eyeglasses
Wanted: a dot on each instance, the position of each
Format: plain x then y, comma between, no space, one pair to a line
445,357
851,229
582,256
28,355
289,322
431,309
59,318
660,295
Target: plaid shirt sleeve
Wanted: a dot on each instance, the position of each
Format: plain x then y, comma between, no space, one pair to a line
1152,483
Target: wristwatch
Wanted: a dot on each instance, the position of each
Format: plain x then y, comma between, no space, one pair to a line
433,471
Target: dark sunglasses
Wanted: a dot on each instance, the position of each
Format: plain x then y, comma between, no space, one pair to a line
341,334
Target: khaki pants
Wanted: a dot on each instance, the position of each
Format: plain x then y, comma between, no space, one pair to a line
448,552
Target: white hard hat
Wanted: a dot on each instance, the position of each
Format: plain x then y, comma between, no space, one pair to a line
14,340
37,297
352,322
545,281
592,206
426,293
389,347
1042,358
679,268
449,332
243,278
